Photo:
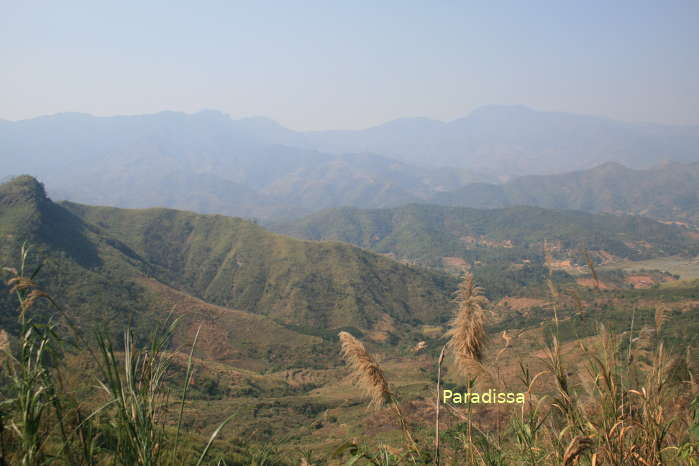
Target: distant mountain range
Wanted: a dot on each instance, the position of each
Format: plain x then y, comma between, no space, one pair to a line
204,162
210,163
504,140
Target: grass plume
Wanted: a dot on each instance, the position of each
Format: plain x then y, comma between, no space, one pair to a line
366,371
369,376
467,328
662,314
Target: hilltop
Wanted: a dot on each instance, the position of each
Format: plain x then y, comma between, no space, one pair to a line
121,262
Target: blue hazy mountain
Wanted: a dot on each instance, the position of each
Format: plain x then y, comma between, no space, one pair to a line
206,162
516,140
254,167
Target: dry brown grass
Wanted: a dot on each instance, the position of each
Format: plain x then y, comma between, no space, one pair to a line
467,328
369,376
365,370
662,314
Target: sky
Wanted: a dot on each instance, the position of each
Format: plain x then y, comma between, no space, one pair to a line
351,64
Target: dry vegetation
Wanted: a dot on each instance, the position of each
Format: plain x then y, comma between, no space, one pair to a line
617,399
607,399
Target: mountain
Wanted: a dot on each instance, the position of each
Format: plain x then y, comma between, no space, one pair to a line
234,263
667,192
70,250
516,140
123,264
256,168
440,236
205,162
501,140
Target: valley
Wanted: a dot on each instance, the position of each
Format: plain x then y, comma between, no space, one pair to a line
349,233
266,309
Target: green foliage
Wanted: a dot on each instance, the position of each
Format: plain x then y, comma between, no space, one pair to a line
234,263
107,254
504,247
32,389
129,428
135,398
425,233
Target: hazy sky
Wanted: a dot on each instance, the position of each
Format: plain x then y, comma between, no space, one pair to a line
351,63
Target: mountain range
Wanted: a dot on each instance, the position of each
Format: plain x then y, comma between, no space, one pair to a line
505,140
255,168
205,162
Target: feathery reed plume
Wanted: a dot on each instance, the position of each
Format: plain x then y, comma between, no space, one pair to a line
662,313
467,333
27,289
467,328
365,369
369,376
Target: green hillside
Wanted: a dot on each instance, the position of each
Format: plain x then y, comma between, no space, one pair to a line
666,192
101,270
228,262
428,234
234,263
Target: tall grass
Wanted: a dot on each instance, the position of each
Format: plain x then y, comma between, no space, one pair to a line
31,385
630,402
620,406
129,426
136,399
